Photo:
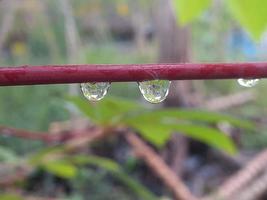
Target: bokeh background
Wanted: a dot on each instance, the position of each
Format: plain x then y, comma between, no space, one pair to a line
38,32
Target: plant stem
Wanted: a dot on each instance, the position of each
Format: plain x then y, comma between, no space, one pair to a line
59,74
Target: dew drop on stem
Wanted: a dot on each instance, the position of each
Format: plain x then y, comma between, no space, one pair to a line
95,91
154,91
248,82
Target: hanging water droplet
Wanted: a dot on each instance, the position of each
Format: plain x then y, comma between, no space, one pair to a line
95,91
155,91
248,82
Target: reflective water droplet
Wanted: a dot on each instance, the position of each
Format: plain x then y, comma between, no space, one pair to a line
154,91
248,82
95,91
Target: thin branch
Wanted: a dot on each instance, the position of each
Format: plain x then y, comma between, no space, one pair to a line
72,38
45,137
85,139
235,183
73,41
232,100
56,74
254,190
156,163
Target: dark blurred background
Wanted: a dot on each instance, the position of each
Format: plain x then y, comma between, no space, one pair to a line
36,32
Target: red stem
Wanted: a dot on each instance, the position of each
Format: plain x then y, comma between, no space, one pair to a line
55,74
45,137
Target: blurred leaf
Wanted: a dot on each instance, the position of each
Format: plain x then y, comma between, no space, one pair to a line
61,168
52,161
251,15
38,157
10,197
156,133
207,135
109,110
162,115
188,10
157,127
159,133
98,161
112,167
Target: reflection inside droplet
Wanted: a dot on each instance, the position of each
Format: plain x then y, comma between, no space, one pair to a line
248,82
155,91
95,91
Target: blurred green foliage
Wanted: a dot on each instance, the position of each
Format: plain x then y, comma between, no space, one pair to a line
157,126
188,10
54,161
250,14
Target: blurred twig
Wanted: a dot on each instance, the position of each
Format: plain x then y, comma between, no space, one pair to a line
225,102
71,138
84,139
155,162
239,181
254,190
72,38
45,137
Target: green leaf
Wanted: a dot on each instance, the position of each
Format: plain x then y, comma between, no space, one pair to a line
107,164
109,110
162,115
50,160
61,168
37,158
251,14
157,126
188,10
156,133
207,135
